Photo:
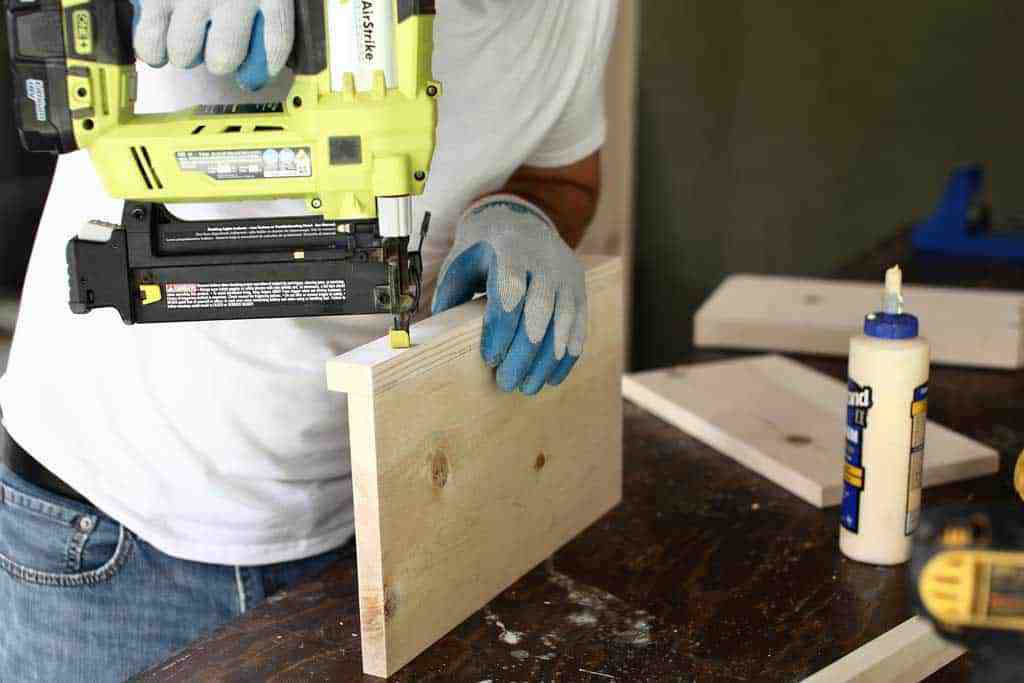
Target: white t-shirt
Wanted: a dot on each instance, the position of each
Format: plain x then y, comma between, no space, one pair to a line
219,442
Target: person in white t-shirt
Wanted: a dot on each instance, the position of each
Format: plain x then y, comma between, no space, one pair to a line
163,479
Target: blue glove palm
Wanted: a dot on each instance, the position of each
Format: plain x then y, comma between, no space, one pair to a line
535,320
249,38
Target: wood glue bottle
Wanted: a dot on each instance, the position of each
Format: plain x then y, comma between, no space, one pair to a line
885,421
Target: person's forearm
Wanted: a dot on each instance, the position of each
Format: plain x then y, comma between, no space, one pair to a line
569,195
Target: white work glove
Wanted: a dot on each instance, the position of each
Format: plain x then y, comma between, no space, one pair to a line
249,38
536,317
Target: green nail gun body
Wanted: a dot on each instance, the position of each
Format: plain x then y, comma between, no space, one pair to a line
354,140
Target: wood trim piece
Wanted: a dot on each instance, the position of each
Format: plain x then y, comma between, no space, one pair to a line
785,421
969,327
910,652
460,489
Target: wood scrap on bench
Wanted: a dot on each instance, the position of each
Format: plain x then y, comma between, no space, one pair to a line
460,489
910,652
969,327
785,421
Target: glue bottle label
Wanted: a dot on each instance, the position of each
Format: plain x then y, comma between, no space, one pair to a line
857,409
918,420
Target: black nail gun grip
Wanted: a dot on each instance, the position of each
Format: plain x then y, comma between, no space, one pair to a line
96,271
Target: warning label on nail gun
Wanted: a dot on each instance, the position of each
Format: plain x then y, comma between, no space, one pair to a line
200,237
249,164
251,294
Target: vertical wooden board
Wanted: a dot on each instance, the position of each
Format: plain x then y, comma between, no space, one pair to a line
970,327
461,489
369,546
785,421
910,652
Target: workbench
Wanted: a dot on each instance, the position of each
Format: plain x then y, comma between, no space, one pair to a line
706,571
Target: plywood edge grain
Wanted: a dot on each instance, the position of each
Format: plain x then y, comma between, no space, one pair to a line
369,559
910,652
376,367
357,370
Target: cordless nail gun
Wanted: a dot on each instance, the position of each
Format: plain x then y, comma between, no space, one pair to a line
354,140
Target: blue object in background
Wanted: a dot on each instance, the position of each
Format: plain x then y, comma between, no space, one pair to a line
957,226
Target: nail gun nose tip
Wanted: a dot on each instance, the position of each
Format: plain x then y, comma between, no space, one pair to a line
400,340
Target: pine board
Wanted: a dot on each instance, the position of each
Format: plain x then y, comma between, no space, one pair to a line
910,652
968,327
460,489
785,421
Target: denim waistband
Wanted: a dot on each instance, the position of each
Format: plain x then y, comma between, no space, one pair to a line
11,483
21,463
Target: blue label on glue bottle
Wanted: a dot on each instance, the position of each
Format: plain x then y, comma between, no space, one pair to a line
857,408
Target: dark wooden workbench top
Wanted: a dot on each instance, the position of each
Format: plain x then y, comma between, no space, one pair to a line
706,571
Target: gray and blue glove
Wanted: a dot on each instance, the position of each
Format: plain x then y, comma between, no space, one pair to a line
535,322
249,38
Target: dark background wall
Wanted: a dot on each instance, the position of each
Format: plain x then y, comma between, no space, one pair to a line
24,182
787,137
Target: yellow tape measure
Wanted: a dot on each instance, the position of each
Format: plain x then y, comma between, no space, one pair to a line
975,587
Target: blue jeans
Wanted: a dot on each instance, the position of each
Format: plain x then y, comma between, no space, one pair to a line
84,599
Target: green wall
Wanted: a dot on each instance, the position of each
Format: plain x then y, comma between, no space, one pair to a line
788,137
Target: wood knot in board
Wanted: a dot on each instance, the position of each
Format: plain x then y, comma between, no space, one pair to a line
390,603
539,463
439,470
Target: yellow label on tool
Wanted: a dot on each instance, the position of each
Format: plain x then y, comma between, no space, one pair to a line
151,294
81,28
854,476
